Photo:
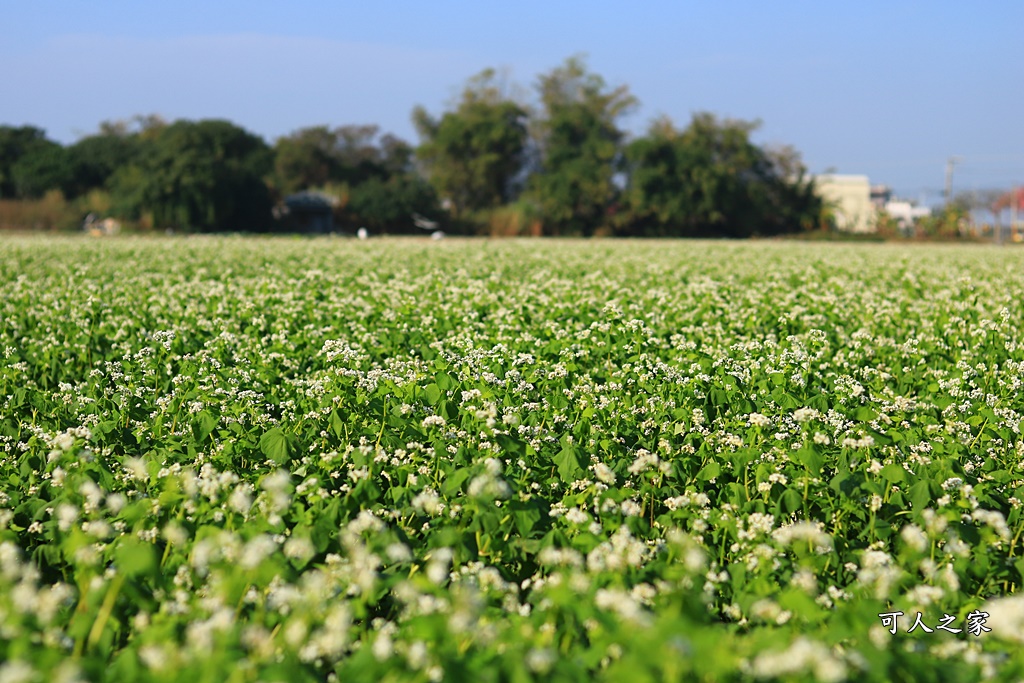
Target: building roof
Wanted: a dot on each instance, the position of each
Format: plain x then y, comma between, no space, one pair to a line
310,201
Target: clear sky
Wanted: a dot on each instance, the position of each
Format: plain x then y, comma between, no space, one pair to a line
887,89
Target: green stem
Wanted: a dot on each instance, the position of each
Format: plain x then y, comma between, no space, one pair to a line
106,609
383,421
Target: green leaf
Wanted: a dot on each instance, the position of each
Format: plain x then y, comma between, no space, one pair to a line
791,500
864,414
203,425
134,557
569,465
893,473
325,527
920,495
709,471
510,445
274,445
337,426
526,519
788,401
819,402
720,397
125,666
433,393
810,458
453,482
842,484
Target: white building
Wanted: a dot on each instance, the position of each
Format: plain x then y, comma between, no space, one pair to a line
905,213
849,197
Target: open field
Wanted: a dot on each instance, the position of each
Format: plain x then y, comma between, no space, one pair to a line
286,460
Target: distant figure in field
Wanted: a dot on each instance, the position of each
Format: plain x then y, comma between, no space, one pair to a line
362,234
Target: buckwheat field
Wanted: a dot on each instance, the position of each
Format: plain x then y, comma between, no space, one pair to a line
329,460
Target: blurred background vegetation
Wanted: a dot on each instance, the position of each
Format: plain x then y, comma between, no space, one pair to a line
499,161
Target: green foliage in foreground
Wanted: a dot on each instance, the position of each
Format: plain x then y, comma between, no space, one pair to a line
233,460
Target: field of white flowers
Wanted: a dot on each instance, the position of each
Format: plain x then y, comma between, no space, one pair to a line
305,460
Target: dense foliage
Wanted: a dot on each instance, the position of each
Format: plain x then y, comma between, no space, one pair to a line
711,179
473,154
497,461
491,162
580,146
206,175
30,164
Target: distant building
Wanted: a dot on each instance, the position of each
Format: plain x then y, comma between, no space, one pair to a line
881,195
905,213
849,197
855,203
311,212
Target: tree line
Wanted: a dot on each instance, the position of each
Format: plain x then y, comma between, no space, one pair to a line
492,162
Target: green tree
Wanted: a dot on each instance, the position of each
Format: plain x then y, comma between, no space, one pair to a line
358,154
42,168
93,160
14,142
318,156
388,205
474,152
30,164
711,179
205,175
578,140
370,175
306,158
396,155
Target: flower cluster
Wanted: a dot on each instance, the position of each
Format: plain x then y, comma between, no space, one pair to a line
281,460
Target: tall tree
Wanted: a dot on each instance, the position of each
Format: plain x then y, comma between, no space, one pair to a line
30,163
474,152
389,205
93,160
43,167
317,156
205,175
370,175
712,179
359,156
579,144
306,158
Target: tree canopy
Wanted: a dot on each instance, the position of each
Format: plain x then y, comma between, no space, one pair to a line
578,139
711,179
497,160
30,164
473,153
206,175
370,175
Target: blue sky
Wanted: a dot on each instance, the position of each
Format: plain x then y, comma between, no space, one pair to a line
888,89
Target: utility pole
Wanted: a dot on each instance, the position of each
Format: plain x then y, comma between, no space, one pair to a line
1014,198
950,163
